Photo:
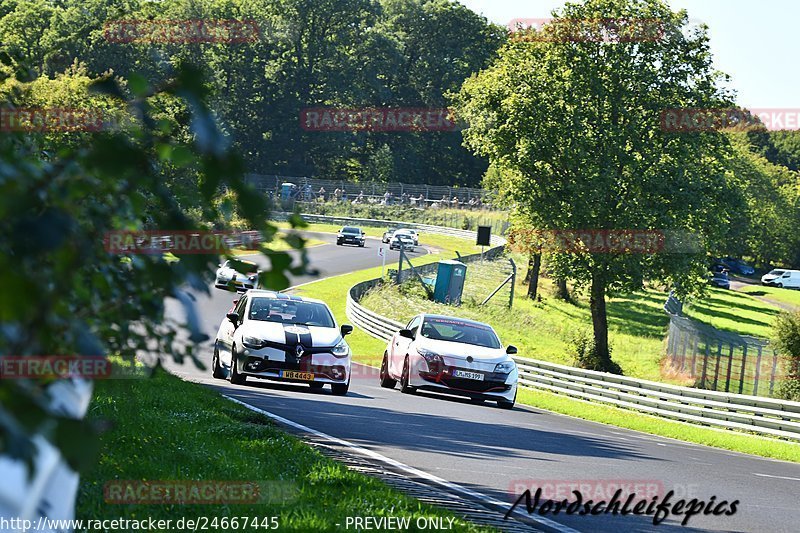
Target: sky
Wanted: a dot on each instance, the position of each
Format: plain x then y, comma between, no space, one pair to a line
756,43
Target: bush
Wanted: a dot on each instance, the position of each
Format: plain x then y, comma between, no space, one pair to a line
585,354
786,339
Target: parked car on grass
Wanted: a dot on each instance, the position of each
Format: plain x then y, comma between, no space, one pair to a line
737,266
720,279
785,278
453,356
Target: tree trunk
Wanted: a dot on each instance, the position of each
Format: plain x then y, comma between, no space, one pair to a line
530,269
562,292
534,264
597,304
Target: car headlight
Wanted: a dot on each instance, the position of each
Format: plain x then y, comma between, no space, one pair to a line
505,367
341,350
253,342
434,360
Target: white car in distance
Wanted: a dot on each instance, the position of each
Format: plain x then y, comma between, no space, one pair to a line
785,278
410,232
402,240
230,276
452,356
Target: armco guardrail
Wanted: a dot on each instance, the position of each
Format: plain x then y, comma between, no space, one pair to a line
766,416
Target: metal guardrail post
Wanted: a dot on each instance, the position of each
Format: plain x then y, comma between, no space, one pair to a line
513,282
730,367
758,372
744,367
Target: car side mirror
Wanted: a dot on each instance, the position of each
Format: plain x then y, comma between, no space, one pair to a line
407,333
511,350
346,329
234,318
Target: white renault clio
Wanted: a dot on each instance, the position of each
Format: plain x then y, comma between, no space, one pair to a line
287,338
453,356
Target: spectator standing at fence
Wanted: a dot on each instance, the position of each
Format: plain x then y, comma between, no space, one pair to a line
386,197
322,193
344,194
337,194
454,203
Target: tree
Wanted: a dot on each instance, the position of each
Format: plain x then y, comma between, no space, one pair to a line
786,337
574,118
61,193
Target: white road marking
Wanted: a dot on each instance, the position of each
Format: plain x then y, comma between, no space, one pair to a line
776,477
405,468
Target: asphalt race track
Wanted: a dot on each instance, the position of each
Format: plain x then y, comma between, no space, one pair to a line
491,451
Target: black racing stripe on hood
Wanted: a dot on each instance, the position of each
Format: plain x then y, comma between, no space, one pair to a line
292,339
306,340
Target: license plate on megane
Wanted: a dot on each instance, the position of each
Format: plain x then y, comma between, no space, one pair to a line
468,375
291,374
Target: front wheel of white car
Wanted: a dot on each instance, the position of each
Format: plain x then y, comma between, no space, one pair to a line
386,380
235,377
340,389
503,404
216,369
405,379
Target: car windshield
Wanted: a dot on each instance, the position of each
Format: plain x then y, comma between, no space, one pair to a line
290,312
357,231
776,273
453,330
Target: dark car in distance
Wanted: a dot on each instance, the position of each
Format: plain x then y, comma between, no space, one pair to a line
350,235
720,279
737,266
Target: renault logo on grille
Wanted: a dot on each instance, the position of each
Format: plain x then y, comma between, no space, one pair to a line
299,350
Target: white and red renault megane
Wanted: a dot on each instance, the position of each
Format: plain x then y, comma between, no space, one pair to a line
273,336
453,356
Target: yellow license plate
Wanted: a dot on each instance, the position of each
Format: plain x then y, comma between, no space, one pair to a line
305,376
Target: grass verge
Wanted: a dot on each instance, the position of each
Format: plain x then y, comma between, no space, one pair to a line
164,428
784,296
